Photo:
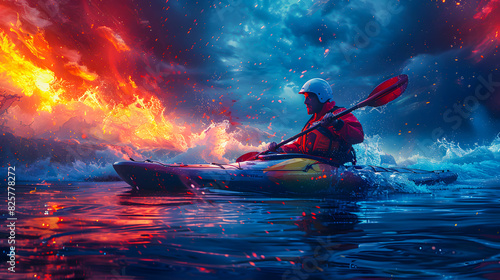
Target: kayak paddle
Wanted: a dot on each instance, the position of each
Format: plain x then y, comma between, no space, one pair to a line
384,93
247,156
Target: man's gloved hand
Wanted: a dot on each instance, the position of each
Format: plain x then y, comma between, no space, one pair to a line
272,147
328,120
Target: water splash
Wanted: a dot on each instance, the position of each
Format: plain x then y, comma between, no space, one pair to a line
481,162
369,152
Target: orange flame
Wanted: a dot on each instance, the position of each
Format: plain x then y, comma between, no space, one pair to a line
57,90
141,122
26,76
114,38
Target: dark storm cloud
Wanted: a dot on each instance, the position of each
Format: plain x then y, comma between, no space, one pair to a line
179,28
423,27
259,53
314,30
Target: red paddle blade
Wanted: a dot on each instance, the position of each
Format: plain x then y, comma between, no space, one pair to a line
247,156
387,91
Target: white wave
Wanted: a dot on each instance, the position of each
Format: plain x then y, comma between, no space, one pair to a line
481,162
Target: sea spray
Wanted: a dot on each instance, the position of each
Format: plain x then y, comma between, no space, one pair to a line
481,162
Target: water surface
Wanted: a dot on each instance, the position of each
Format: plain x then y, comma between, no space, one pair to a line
105,231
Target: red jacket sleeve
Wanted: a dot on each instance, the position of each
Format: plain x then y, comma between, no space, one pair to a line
352,131
292,148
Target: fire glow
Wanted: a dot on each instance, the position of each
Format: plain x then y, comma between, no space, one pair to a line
489,26
140,122
88,80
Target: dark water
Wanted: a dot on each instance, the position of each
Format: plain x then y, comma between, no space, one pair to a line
103,231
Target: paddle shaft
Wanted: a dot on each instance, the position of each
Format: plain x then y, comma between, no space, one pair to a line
336,116
361,104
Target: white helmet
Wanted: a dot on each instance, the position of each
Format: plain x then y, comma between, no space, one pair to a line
319,87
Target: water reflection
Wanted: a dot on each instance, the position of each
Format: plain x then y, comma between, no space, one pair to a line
105,231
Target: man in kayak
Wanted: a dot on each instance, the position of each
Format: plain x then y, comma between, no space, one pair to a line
335,137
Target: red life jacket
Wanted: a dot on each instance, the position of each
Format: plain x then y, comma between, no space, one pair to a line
326,141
